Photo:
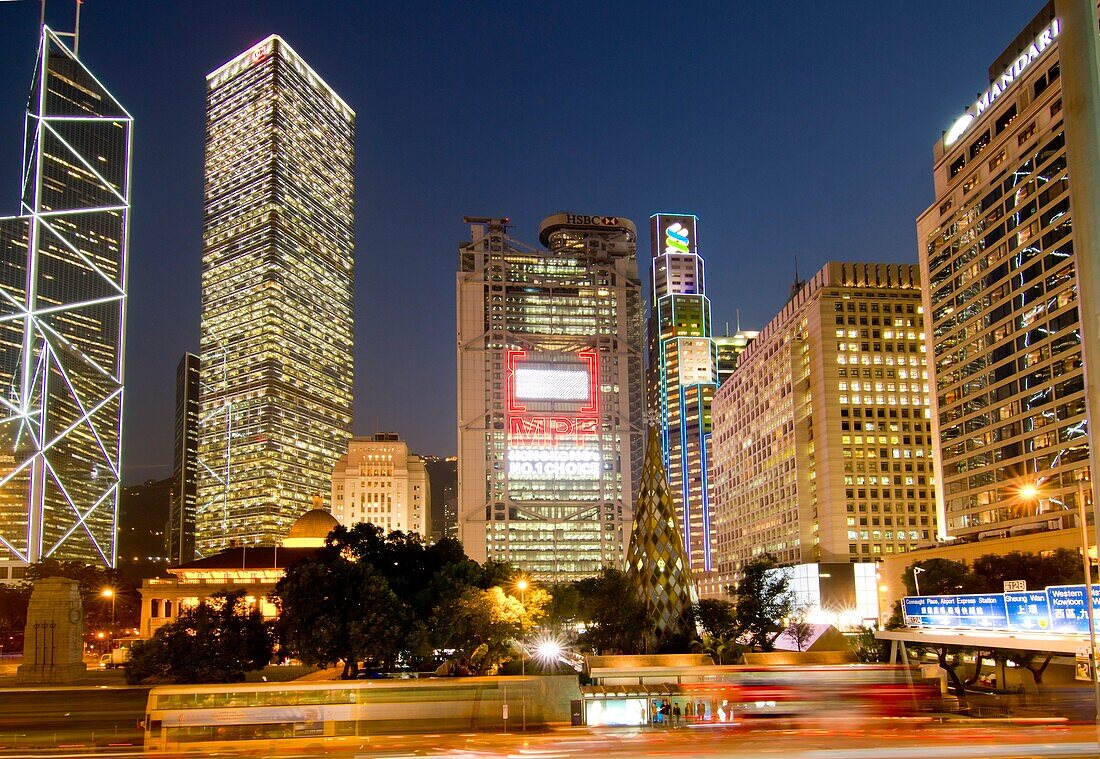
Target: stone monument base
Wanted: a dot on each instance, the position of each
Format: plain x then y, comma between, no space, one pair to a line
53,640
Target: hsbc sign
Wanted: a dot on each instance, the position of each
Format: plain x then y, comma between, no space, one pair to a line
592,221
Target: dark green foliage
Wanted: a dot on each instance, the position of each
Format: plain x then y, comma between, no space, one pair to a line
1061,567
717,618
93,579
615,619
988,572
340,611
762,601
216,642
379,598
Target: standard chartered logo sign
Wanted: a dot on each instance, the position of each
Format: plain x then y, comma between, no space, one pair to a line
676,239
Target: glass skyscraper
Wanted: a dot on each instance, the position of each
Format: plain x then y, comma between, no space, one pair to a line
683,377
276,343
62,319
550,394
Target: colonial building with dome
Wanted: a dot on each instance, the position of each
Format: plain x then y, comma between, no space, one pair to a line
254,569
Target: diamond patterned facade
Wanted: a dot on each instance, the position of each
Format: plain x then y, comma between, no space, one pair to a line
63,263
656,561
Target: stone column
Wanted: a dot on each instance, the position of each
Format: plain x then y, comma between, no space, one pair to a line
53,641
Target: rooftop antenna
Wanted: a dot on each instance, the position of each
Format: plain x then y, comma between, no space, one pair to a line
738,313
76,30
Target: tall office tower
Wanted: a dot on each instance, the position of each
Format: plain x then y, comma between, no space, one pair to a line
378,481
822,438
730,347
276,343
62,319
185,463
682,377
550,394
997,252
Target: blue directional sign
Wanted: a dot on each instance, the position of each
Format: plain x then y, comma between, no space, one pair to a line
969,612
1068,613
1028,611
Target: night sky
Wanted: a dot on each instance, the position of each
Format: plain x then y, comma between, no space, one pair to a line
804,132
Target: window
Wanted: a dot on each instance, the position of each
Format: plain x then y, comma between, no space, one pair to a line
957,166
1005,118
1027,133
979,144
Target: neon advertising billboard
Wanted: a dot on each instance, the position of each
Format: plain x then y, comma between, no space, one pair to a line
553,405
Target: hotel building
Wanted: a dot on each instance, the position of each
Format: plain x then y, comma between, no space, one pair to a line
380,482
822,438
997,252
682,378
550,394
63,282
276,342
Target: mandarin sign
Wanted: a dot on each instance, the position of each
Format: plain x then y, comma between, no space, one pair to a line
1002,83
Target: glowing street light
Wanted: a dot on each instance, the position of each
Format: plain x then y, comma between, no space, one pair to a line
110,593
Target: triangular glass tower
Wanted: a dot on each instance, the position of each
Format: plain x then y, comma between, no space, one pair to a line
63,263
656,561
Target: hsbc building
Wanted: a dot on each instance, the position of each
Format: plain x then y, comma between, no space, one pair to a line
550,394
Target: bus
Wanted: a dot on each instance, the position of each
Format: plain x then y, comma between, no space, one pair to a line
203,718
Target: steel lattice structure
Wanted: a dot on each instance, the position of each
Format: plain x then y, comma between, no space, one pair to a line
63,269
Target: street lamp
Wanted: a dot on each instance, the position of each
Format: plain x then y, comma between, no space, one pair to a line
110,593
1088,591
916,582
521,586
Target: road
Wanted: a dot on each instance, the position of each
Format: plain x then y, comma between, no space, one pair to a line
70,722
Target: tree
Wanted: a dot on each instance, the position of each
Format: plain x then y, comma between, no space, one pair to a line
867,648
1061,567
93,580
333,609
800,631
484,625
217,641
614,617
717,617
761,601
938,577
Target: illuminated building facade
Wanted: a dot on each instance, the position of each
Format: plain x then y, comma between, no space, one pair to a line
729,347
550,394
62,319
276,342
997,252
822,436
380,482
185,463
682,378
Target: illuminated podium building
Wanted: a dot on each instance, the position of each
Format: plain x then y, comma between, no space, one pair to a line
550,394
276,320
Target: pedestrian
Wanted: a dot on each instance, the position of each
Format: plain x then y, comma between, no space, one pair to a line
676,714
666,712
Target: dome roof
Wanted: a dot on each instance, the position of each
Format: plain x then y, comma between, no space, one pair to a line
315,524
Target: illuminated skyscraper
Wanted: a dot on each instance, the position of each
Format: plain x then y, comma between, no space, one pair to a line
185,463
822,436
997,249
276,343
550,394
683,376
62,319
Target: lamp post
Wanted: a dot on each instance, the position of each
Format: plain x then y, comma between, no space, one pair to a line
110,593
521,586
1087,565
916,574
